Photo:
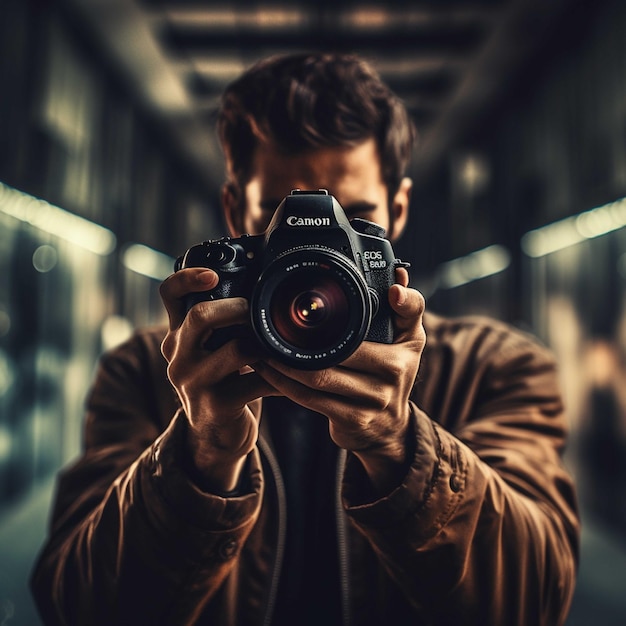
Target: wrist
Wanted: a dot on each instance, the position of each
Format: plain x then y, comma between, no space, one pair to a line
385,469
213,470
387,464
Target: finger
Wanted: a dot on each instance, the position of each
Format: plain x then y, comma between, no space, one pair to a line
192,364
198,325
174,288
408,306
336,380
402,276
309,397
204,317
246,388
329,389
379,361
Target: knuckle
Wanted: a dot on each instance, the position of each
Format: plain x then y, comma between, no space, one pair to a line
198,314
420,338
381,400
169,288
164,287
168,346
421,302
395,365
239,308
240,304
173,372
320,378
361,425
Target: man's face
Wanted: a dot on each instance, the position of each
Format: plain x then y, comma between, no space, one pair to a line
351,174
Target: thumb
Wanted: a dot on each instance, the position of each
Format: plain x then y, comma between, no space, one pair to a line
408,306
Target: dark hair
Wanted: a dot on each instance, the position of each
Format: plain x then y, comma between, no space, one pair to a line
307,101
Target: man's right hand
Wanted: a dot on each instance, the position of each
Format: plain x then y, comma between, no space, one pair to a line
214,392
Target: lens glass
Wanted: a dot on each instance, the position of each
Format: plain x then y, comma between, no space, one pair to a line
309,310
310,307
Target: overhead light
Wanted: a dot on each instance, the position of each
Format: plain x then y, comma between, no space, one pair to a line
58,222
267,17
221,68
480,264
373,17
572,230
147,261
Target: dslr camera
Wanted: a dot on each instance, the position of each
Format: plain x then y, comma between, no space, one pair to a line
316,282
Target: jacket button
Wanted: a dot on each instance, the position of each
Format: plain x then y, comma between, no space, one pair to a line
455,483
228,549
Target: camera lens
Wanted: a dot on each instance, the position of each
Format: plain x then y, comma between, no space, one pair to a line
308,310
311,307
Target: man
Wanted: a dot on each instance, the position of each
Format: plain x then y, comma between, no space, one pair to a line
414,483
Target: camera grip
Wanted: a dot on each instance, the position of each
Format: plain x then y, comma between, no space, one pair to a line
381,327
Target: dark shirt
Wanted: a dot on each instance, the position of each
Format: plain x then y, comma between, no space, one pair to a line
309,584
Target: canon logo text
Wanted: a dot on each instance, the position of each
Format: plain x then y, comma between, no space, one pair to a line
292,220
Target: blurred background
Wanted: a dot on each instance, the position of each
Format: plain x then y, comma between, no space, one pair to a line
109,169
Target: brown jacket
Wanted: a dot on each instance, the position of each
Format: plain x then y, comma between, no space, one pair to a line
483,531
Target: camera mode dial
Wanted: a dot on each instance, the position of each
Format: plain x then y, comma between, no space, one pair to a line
220,254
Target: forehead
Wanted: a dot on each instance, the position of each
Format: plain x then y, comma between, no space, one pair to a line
348,173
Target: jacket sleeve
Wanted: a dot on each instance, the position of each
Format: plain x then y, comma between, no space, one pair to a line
132,540
484,529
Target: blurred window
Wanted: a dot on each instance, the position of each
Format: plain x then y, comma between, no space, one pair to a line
53,300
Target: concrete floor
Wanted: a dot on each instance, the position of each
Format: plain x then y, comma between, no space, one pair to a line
600,596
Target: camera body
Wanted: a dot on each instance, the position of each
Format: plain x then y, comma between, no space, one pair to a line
317,283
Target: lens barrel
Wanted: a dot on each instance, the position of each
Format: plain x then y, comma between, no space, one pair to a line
311,307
